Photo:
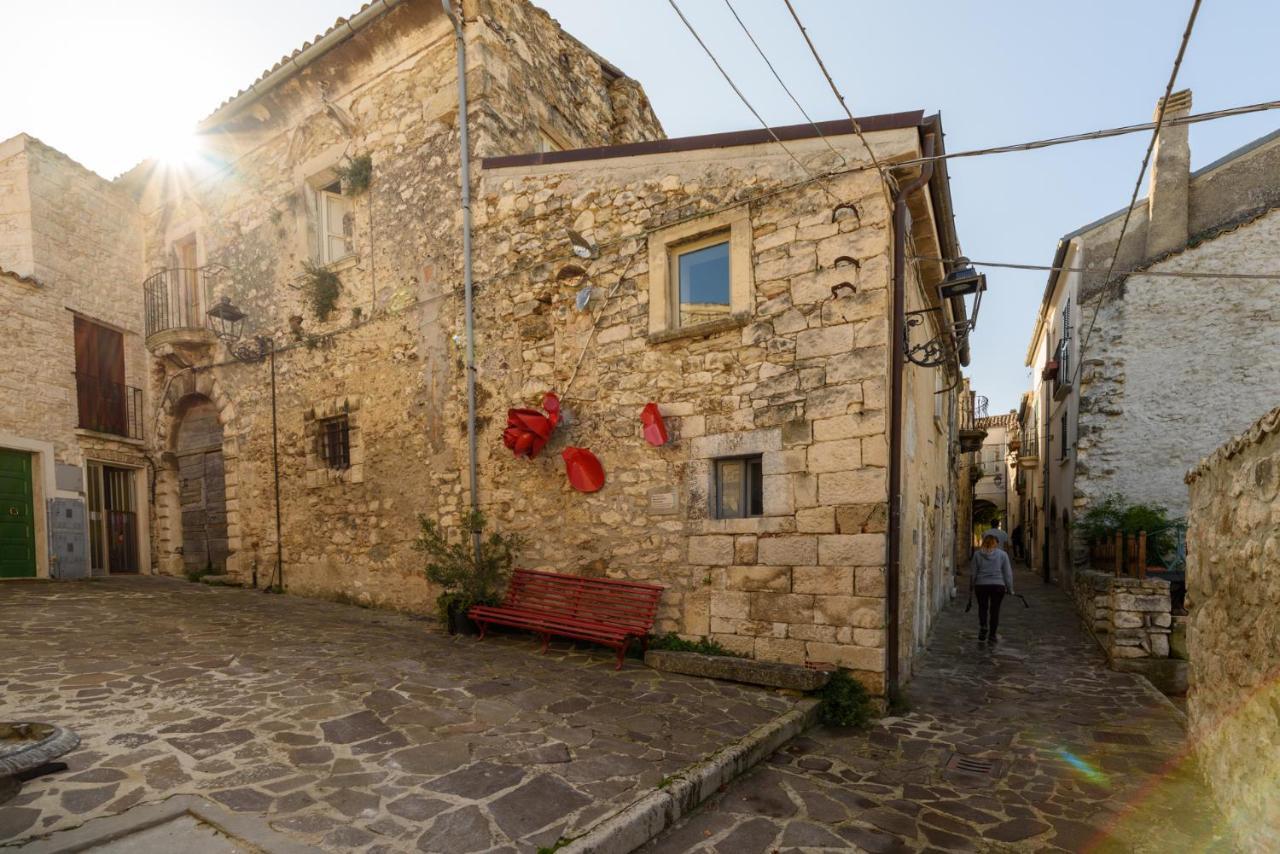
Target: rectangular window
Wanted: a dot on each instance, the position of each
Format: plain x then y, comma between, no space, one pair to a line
1066,445
700,274
329,220
739,487
334,437
101,395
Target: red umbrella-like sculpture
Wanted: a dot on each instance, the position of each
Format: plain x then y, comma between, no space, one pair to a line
583,468
529,430
655,429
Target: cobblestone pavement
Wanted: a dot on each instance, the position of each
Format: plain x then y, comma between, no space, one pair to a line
1087,759
350,729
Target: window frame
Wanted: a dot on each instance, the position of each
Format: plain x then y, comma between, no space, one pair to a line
678,251
333,442
326,230
667,244
747,496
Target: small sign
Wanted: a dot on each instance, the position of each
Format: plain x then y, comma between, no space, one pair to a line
663,502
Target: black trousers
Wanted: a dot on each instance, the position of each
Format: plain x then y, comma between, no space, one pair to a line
989,598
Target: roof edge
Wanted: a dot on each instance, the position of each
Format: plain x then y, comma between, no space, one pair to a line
730,139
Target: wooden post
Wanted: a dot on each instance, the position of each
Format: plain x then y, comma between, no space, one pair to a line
1142,554
1119,553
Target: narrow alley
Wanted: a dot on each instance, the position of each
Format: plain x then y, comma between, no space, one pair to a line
1081,758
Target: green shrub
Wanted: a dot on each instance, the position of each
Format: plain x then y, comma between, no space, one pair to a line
356,174
321,286
845,702
1104,519
672,641
467,577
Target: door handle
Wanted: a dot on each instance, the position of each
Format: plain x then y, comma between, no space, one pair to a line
13,511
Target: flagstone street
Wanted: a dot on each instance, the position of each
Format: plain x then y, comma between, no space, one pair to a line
1082,758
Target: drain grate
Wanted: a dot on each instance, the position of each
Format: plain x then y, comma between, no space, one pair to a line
963,768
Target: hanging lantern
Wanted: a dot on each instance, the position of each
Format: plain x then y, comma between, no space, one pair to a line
655,429
529,430
585,472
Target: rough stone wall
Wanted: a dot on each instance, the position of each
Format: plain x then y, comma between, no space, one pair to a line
80,238
801,379
1233,590
1175,366
392,341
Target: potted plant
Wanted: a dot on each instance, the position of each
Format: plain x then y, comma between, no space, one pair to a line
466,576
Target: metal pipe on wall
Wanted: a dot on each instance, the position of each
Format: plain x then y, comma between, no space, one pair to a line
897,343
467,283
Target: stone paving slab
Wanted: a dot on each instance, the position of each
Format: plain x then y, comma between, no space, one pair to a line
349,729
1086,759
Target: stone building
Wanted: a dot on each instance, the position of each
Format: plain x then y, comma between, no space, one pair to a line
995,502
1173,366
712,275
1233,554
73,470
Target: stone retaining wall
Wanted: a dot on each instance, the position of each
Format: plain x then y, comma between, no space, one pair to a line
1129,617
1233,639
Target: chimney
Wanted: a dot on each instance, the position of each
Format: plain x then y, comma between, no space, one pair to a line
1167,197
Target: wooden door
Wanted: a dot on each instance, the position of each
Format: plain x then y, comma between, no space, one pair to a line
17,516
121,514
202,489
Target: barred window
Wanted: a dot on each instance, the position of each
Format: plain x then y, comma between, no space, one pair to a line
335,442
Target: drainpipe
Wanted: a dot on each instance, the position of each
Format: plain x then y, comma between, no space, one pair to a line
897,338
465,171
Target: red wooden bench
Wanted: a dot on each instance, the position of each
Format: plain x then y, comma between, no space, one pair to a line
601,610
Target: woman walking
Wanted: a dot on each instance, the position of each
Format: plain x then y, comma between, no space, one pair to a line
990,577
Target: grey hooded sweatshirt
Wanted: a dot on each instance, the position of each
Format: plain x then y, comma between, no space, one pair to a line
991,568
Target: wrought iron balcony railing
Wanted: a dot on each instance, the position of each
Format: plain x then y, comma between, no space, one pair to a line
109,407
177,299
1062,379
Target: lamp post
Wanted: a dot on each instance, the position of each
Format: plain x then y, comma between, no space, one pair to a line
227,322
961,282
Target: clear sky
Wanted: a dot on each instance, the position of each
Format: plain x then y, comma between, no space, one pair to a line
112,81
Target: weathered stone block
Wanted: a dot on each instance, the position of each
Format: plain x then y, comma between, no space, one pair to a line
864,486
744,549
711,550
853,657
788,550
729,605
781,607
841,455
816,520
851,549
776,578
824,341
825,580
780,649
862,519
870,581
856,611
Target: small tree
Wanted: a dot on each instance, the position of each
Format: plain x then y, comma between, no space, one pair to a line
467,577
1115,514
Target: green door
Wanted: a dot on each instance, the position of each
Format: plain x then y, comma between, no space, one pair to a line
17,519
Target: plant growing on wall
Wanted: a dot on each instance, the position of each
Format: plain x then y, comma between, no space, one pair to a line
321,287
467,577
356,174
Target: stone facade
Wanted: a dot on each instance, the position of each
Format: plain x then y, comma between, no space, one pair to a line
71,243
1233,557
797,373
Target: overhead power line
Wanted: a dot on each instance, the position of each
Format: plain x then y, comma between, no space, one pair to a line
785,88
1137,185
819,178
884,176
1169,274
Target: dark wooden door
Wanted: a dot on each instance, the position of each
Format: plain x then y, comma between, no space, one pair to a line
202,489
17,516
121,518
100,390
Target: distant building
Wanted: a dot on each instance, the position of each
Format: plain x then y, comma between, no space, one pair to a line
1173,366
995,502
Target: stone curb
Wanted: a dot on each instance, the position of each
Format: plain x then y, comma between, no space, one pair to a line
637,823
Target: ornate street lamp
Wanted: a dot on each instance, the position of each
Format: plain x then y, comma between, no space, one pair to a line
227,322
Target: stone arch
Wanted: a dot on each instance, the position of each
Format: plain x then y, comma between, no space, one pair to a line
197,407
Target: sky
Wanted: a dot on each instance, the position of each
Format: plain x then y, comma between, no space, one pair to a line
110,82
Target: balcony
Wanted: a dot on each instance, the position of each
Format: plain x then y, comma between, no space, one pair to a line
971,436
109,407
1062,376
1028,450
175,302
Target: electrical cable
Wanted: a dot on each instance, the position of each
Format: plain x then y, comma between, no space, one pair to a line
778,77
1137,186
884,176
819,178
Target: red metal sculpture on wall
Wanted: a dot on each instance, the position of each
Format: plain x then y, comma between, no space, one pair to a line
529,430
655,429
584,469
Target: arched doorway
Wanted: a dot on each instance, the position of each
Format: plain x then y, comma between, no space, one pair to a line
201,486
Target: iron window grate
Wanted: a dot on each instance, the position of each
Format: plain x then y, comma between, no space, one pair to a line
335,442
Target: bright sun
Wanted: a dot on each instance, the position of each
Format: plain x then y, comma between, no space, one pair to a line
179,147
